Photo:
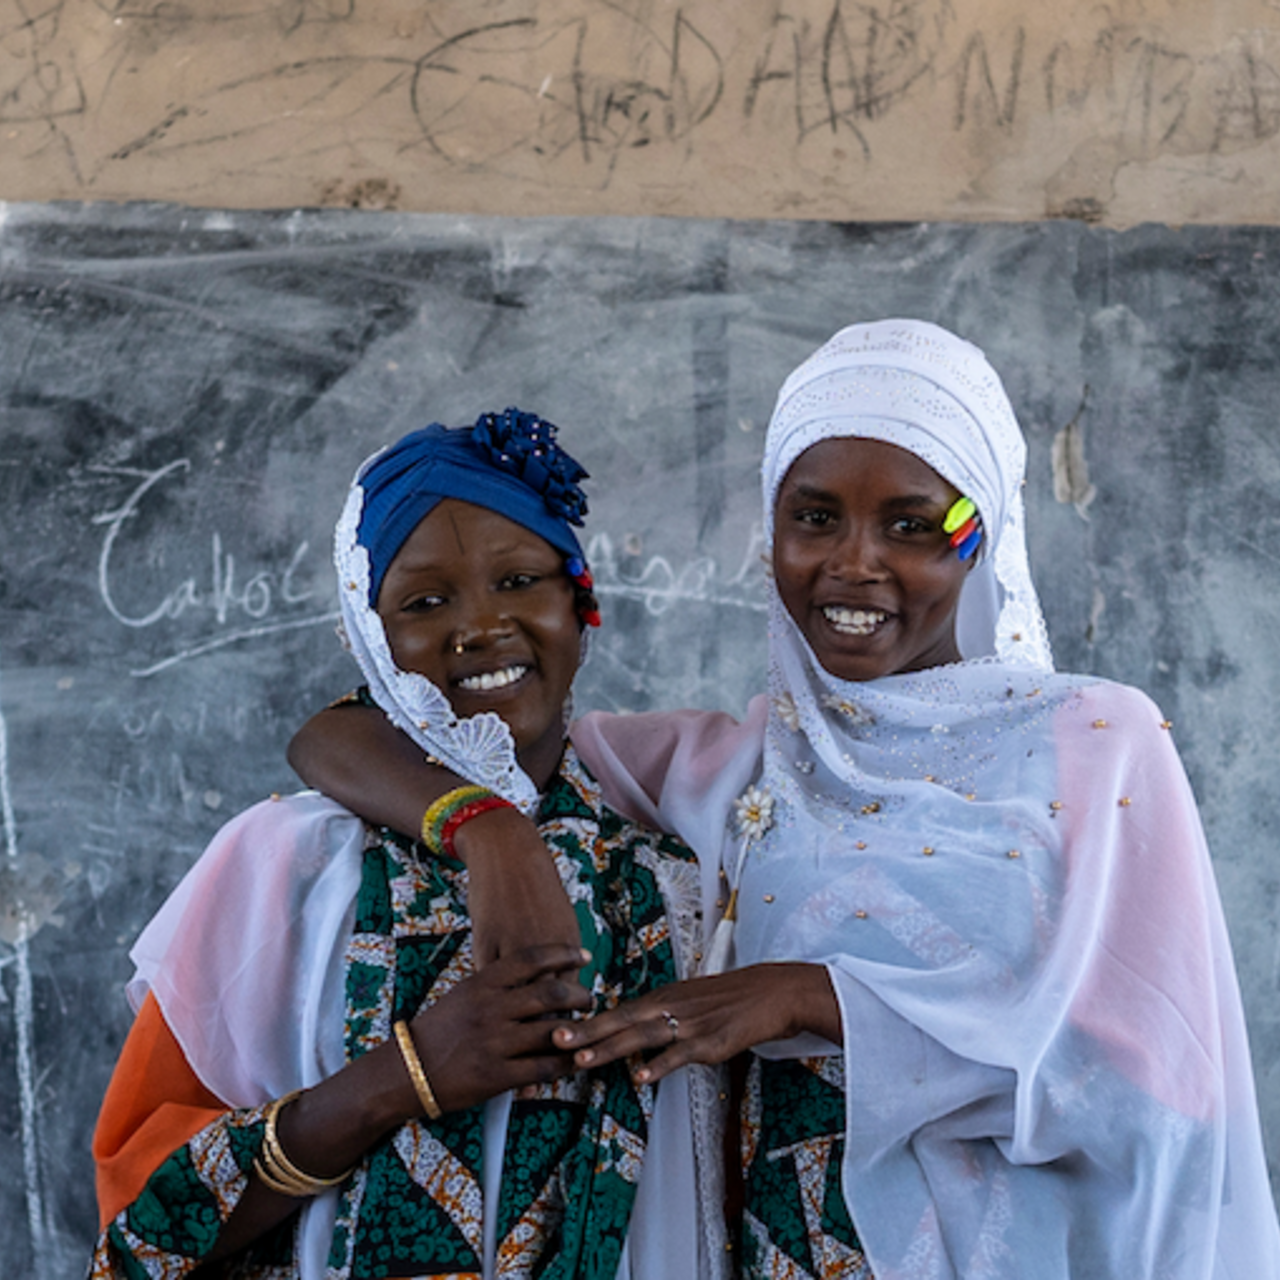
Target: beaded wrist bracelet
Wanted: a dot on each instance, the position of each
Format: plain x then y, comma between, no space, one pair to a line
444,816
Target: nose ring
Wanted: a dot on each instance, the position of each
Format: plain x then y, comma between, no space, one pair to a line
459,647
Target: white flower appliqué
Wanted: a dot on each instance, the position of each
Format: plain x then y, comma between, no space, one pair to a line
785,705
754,809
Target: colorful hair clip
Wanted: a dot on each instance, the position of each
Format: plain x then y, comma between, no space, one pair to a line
581,578
960,511
964,524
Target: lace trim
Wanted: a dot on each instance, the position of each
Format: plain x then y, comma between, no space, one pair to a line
479,748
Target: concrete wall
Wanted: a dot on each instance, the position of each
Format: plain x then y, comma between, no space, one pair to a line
1119,113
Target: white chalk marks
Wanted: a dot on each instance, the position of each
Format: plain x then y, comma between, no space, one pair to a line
240,609
659,584
23,1006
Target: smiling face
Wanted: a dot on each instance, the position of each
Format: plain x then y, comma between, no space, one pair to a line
482,607
861,561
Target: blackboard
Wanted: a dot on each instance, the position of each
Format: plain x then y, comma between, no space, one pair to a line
186,394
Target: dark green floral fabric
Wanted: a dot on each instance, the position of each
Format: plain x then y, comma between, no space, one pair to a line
795,1222
412,1207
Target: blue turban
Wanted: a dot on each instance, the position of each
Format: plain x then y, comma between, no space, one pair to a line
509,463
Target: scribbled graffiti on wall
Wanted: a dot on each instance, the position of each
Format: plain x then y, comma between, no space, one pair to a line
954,107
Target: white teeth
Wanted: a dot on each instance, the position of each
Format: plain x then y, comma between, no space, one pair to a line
854,622
492,679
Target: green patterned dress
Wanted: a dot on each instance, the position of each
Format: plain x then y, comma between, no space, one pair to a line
795,1224
412,1207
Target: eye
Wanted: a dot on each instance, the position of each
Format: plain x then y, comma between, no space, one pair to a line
423,604
912,526
815,517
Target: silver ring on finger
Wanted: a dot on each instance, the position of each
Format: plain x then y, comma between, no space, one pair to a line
673,1024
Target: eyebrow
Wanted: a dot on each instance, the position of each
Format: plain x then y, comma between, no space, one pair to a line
812,493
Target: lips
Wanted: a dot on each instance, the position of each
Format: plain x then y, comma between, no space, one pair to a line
854,622
488,681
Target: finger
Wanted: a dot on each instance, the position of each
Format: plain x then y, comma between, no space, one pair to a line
645,1037
531,963
678,1055
617,1021
548,995
528,1072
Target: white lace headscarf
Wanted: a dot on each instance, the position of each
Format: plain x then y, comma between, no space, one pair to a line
914,385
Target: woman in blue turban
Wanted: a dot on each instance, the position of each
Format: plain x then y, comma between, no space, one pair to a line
319,1082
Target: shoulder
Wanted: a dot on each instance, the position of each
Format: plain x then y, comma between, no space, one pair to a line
1106,712
285,835
259,873
660,738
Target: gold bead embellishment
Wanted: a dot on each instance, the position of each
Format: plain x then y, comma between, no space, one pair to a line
275,795
1166,724
928,777
1125,802
1015,853
351,586
927,851
860,914
1055,805
860,844
1099,724
971,795
1035,693
768,897
873,807
1017,635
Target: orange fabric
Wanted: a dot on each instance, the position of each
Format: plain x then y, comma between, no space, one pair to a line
154,1104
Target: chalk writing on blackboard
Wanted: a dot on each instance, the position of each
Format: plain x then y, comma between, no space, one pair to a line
251,604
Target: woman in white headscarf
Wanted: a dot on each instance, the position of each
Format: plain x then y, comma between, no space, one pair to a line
972,923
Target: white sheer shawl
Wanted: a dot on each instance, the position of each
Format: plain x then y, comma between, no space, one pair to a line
1004,871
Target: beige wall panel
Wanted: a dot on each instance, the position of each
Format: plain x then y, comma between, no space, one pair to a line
902,109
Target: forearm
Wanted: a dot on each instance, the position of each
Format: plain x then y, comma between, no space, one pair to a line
489,1033
206,1202
356,755
326,1131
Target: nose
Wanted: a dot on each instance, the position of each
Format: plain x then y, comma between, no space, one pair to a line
480,623
857,555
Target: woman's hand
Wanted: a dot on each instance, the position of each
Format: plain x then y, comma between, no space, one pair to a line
493,1031
515,896
709,1019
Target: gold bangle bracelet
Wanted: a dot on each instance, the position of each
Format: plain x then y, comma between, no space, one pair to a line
417,1076
276,1170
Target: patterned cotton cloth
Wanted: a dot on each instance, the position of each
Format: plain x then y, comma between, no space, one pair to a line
413,1207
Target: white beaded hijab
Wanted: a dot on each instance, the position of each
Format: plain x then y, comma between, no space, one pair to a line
914,385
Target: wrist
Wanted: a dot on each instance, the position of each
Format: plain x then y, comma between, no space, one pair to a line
812,1006
447,815
500,832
